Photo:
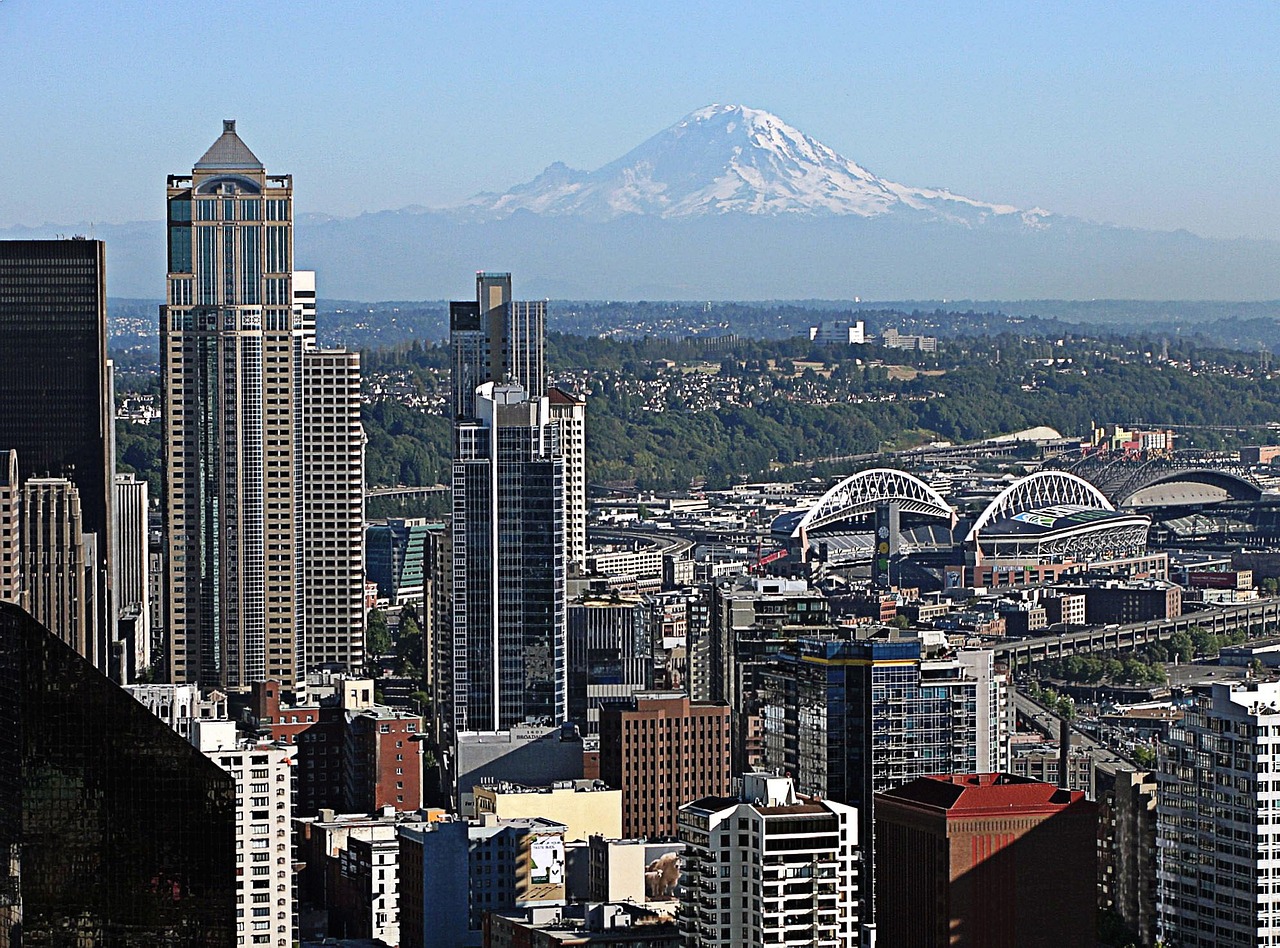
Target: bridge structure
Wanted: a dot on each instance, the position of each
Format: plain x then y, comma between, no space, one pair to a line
1258,618
406,491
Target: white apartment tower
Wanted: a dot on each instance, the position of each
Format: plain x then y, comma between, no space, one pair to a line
769,868
571,411
265,898
1218,820
133,577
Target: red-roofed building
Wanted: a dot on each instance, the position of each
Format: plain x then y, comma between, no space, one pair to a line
985,861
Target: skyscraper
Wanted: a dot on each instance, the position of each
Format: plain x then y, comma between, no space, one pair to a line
55,386
507,653
571,411
496,340
133,587
114,830
247,395
333,508
58,578
230,346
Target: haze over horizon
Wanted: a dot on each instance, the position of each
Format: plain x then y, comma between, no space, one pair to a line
1151,116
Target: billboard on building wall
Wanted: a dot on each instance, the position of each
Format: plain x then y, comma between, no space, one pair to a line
546,861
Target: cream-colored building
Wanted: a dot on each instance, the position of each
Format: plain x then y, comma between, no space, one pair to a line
586,807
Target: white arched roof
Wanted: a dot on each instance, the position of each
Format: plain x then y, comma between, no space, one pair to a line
1041,489
858,494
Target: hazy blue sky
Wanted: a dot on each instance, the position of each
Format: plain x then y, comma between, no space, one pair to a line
1157,115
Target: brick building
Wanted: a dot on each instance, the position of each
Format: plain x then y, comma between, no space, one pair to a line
1009,861
663,750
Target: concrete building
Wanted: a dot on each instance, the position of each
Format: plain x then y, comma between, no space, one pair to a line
839,333
266,911
332,479
452,873
507,658
58,575
585,807
770,868
1213,798
180,706
663,751
571,411
1127,847
633,870
537,755
133,571
59,406
613,924
985,859
610,650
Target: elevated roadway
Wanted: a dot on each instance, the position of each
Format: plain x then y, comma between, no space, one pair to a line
1258,618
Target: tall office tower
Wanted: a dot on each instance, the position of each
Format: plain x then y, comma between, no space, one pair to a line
508,659
232,351
10,530
57,563
977,860
769,868
662,751
333,504
1216,824
571,411
113,829
610,654
266,903
133,571
55,386
850,718
496,340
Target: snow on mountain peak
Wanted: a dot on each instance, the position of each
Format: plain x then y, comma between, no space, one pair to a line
732,159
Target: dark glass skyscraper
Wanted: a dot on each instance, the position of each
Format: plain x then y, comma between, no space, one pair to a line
114,830
507,658
55,388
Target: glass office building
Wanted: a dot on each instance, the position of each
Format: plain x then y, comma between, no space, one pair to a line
115,831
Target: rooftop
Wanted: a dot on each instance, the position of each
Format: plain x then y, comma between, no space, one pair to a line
228,153
983,794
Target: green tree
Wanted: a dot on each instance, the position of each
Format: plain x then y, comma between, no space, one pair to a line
377,636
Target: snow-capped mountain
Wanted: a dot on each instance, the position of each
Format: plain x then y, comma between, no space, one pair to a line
732,159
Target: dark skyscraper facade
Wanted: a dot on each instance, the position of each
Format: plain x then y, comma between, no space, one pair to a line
114,830
55,388
507,656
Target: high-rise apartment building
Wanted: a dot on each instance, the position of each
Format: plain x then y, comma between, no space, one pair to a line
507,655
333,509
133,570
979,860
496,339
1217,832
663,751
242,379
770,868
571,411
849,718
263,775
114,830
55,386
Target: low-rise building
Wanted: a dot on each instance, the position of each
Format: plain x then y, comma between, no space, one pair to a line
585,807
612,925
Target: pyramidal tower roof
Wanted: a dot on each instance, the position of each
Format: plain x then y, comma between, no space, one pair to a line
228,152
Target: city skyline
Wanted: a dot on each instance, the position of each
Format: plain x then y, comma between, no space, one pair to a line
1144,116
